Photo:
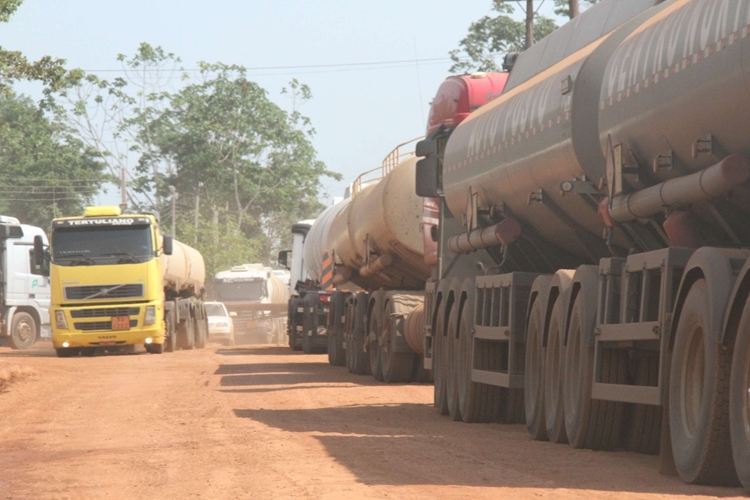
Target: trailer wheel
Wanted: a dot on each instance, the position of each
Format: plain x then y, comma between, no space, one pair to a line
186,333
450,352
554,403
398,367
22,331
643,422
534,373
698,396
373,346
361,359
438,361
474,399
336,352
739,400
170,341
594,424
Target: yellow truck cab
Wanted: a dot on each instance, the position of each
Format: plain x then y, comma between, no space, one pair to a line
106,280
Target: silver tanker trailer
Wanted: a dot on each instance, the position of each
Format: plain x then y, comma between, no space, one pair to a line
592,274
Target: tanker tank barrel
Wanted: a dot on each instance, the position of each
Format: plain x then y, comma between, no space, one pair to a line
712,182
504,232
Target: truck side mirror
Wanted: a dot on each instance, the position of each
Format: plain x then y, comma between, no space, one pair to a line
167,244
284,259
427,182
424,148
38,251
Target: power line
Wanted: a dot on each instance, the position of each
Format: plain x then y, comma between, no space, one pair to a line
266,68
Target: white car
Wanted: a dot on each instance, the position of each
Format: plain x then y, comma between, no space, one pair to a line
220,325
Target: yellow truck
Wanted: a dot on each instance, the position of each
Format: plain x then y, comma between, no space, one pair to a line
117,282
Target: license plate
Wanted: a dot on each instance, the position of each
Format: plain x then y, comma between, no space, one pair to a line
251,324
121,322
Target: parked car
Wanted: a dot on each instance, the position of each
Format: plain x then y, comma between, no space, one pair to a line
220,326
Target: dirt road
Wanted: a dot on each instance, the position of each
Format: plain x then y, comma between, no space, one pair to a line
263,422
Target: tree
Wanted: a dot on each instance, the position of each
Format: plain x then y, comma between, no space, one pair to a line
234,149
570,8
15,66
46,171
492,36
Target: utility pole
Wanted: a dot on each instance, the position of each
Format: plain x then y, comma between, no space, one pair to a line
123,189
529,23
175,194
574,11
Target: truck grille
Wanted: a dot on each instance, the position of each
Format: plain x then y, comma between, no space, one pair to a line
104,292
99,325
106,312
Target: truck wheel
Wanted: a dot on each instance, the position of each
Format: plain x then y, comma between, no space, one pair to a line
201,332
593,424
554,407
438,361
397,366
170,339
361,356
451,360
474,399
373,343
698,396
336,352
739,399
534,373
643,422
22,331
186,334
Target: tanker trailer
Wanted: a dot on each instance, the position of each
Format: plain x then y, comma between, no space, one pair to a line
117,282
256,300
379,273
592,275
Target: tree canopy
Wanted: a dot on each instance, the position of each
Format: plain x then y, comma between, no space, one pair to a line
45,170
493,36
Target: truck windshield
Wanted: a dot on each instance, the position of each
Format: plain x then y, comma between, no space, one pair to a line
215,309
91,246
241,290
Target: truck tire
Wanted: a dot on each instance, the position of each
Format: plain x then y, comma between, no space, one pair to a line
310,324
451,361
22,331
360,357
398,367
186,333
534,373
373,345
336,352
438,361
593,424
474,399
699,396
554,374
739,399
201,332
170,339
643,422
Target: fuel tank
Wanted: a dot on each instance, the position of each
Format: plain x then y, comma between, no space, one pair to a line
659,89
317,239
376,238
184,270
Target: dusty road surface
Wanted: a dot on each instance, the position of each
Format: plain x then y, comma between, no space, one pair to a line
263,422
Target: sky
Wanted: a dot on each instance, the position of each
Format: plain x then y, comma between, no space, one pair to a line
360,112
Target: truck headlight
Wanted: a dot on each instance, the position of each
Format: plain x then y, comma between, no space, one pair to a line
60,321
150,318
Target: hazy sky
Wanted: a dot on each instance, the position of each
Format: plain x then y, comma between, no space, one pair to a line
359,113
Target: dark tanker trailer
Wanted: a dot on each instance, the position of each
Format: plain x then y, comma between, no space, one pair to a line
592,277
572,251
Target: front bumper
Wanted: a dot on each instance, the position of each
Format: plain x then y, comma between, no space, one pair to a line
90,326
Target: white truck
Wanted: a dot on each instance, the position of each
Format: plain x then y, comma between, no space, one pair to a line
256,300
24,286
